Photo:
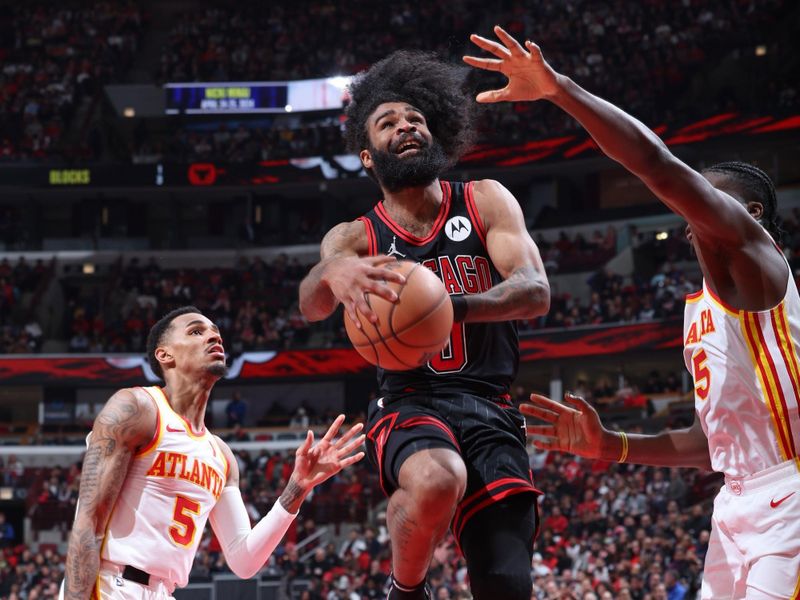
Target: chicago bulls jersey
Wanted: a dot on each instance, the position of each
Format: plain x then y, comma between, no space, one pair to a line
481,358
169,491
747,380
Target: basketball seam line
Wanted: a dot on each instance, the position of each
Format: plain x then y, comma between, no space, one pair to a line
380,335
391,327
425,316
374,350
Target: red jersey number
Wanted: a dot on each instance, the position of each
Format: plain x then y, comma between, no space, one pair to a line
453,356
702,376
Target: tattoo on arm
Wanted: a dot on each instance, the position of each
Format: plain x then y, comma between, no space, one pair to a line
316,300
115,436
518,297
292,497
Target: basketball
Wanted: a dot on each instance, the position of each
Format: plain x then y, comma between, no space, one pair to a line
412,330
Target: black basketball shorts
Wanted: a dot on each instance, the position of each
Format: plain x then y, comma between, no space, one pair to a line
488,433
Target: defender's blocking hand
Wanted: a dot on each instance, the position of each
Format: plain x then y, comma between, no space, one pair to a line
529,75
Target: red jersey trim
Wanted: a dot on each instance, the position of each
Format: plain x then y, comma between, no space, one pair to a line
371,240
474,215
410,238
195,435
432,421
379,434
694,296
485,497
734,312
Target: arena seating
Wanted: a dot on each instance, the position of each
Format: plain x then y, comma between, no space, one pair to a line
55,56
604,526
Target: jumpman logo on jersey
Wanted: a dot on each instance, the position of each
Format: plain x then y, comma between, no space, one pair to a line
393,248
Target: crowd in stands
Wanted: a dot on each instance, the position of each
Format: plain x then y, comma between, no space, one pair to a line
20,332
643,58
577,253
613,300
254,305
608,531
54,55
242,142
255,42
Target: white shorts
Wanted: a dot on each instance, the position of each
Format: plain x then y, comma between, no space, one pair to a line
112,586
754,548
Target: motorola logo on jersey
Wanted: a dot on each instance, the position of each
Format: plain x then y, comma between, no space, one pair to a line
458,228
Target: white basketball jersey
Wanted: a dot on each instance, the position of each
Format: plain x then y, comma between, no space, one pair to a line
169,491
746,380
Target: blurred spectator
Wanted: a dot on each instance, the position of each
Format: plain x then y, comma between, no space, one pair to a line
236,410
7,534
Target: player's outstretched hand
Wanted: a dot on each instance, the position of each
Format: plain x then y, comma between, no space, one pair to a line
314,463
351,278
572,427
529,75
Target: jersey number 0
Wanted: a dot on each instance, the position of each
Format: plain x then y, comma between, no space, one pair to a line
453,356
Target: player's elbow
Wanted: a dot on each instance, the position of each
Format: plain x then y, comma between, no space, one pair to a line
538,299
244,572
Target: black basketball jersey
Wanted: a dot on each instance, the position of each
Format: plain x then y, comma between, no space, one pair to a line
481,358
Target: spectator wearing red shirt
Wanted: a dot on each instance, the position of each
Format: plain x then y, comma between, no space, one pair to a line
556,521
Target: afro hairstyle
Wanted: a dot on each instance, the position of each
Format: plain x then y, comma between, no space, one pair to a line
436,88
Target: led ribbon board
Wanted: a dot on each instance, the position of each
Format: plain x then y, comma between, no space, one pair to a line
256,96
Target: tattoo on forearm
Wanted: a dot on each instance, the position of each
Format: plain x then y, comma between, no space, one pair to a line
292,497
104,468
516,297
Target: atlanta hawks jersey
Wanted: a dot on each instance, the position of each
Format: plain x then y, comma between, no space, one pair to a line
481,358
169,491
746,380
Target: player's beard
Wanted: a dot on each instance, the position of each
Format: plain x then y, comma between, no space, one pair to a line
395,173
218,369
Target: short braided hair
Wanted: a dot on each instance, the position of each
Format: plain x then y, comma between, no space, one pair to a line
755,186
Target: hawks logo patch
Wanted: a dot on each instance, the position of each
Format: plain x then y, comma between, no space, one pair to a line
458,228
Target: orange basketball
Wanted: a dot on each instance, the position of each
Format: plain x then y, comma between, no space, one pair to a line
412,330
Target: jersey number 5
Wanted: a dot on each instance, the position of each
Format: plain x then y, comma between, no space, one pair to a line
702,376
453,356
183,526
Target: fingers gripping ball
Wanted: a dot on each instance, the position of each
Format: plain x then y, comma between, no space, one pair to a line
412,330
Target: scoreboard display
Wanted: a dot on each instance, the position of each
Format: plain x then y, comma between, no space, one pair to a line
255,97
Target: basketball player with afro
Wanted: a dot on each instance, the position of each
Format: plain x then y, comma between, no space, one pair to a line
448,444
741,333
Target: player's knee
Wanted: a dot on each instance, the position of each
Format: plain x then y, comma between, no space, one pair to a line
509,584
437,487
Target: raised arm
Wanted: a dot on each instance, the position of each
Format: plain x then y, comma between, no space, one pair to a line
525,292
245,549
126,424
575,427
342,276
720,223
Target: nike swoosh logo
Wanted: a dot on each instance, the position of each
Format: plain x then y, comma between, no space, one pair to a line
776,504
176,430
